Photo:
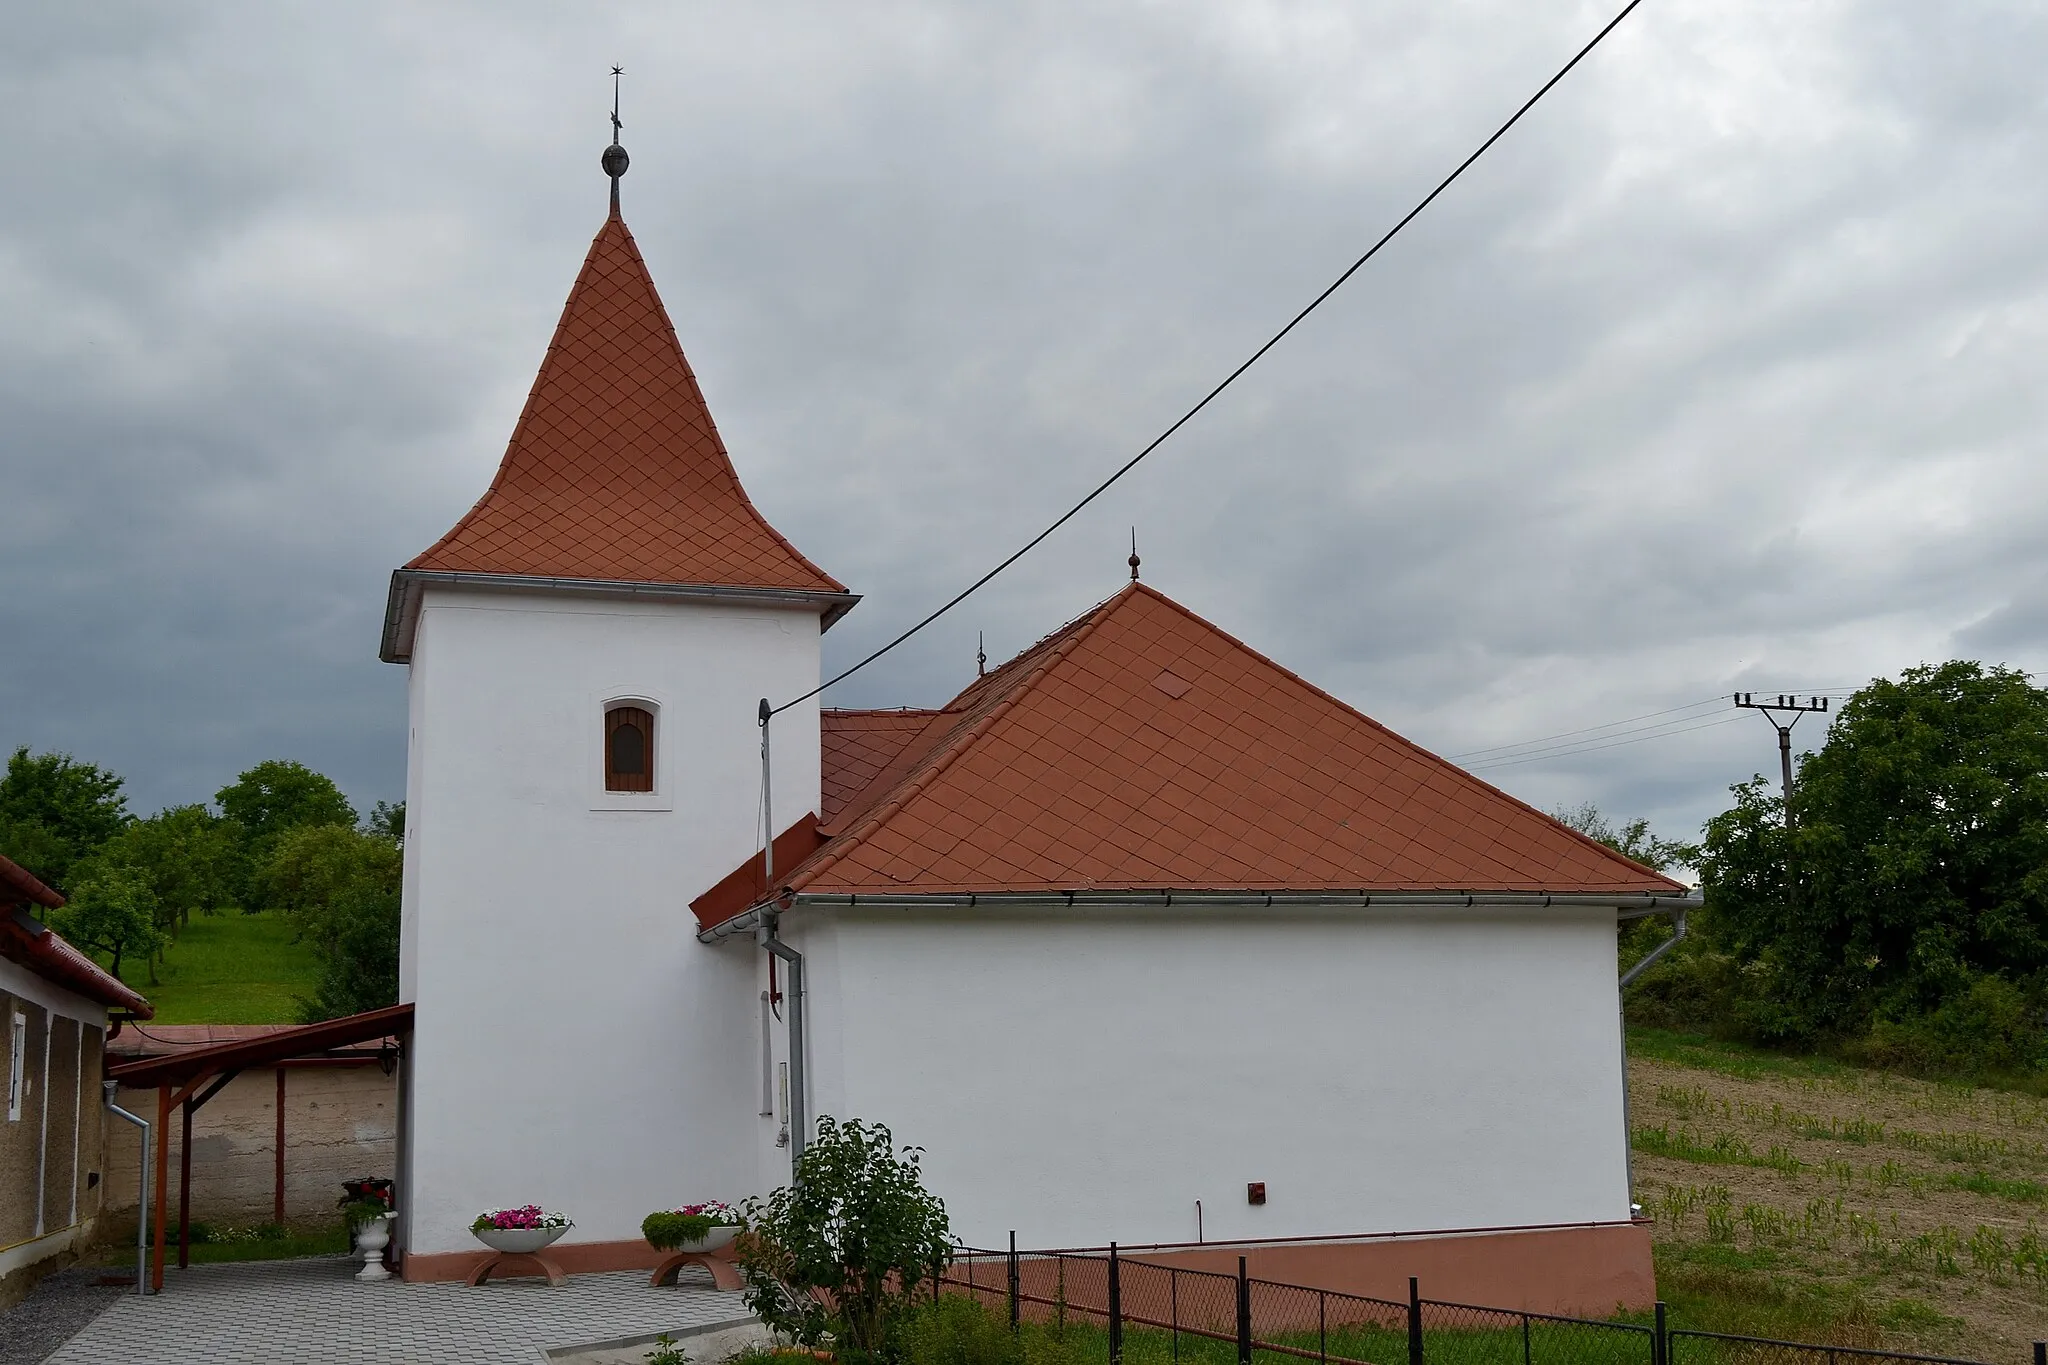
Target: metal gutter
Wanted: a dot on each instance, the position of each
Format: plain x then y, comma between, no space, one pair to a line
1633,905
402,604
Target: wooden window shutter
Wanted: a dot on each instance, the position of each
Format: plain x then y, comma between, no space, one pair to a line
628,749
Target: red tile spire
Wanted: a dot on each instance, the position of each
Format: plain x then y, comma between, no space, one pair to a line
616,471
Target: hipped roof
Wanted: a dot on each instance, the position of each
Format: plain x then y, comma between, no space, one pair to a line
615,471
1141,748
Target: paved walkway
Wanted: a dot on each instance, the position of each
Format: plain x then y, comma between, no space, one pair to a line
312,1312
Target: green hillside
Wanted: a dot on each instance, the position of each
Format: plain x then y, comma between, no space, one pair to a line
230,968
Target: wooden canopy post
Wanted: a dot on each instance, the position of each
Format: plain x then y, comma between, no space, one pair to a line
163,1180
277,1198
185,1185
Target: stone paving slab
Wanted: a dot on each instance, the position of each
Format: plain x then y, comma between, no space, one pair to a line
313,1312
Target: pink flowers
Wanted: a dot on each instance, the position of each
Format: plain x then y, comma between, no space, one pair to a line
721,1214
526,1216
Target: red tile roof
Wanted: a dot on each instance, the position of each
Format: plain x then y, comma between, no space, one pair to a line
616,471
33,945
1141,748
19,887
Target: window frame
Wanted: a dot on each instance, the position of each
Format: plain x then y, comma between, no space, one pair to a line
644,715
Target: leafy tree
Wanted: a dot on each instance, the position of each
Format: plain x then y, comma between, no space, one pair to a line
190,858
112,910
388,820
278,795
359,965
55,810
311,867
856,1223
1917,863
1633,840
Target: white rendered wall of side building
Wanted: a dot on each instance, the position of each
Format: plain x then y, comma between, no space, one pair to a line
574,1045
1086,1076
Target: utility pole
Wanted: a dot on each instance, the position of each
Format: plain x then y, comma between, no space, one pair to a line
1770,710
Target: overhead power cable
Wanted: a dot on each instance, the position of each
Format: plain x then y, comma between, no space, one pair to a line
1545,739
1233,376
1594,748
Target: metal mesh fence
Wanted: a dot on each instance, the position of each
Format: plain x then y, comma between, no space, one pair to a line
1119,1310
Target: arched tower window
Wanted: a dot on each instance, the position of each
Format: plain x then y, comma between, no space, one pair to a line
628,749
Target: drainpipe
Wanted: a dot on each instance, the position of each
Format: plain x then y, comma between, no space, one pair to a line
1649,959
1677,937
141,1189
799,1120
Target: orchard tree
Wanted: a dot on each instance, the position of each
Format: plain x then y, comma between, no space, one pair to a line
1917,860
55,810
278,795
190,858
112,910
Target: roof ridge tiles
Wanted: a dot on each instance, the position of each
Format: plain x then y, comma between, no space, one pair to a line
935,764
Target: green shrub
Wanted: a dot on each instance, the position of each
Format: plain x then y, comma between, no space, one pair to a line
855,1228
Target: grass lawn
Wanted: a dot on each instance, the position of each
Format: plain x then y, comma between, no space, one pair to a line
230,968
292,1243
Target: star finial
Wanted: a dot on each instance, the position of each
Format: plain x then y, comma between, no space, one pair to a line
615,159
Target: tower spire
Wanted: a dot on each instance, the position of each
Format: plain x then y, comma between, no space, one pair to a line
615,159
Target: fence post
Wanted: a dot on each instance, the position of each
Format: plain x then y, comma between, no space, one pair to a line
1414,1322
1660,1344
1013,1282
1525,1344
1173,1309
1323,1326
1116,1310
1244,1315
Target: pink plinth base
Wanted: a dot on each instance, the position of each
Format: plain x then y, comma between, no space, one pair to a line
722,1272
498,1262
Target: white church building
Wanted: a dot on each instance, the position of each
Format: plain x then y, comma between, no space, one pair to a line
1141,936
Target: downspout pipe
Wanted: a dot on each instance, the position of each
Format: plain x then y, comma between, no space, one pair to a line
141,1188
1650,958
799,1114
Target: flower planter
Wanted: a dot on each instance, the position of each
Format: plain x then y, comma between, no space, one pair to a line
517,1241
710,1241
372,1236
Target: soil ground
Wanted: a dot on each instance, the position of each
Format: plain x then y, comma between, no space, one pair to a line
1907,1213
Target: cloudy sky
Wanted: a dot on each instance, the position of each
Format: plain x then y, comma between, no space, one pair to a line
1724,370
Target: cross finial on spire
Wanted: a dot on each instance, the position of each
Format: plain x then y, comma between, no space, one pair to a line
1134,554
615,159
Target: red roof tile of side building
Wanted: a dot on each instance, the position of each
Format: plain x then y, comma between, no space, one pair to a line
615,472
166,1040
34,946
1141,748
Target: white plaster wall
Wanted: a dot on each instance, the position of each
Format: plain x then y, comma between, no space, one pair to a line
574,1045
20,981
1087,1077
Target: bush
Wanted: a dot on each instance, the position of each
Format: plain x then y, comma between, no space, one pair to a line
855,1228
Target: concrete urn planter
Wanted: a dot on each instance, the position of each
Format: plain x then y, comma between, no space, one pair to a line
710,1241
372,1236
517,1241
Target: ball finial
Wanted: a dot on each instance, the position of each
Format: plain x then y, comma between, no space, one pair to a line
615,161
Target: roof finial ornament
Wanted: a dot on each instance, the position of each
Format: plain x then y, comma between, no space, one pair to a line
1134,554
615,159
980,656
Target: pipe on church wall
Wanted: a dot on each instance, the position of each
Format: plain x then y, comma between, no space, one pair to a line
799,1109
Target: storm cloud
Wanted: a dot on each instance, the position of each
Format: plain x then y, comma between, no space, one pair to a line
1723,370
